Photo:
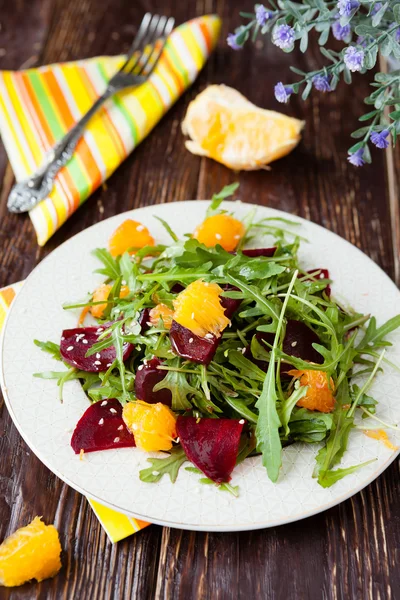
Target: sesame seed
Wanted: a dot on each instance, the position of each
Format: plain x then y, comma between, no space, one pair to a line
140,367
123,282
145,361
104,403
63,338
149,323
192,315
120,428
242,421
101,422
140,228
178,440
98,355
116,440
85,342
209,336
243,350
97,362
293,344
134,426
321,276
100,329
109,364
287,270
236,237
112,410
239,348
218,236
191,340
70,348
155,473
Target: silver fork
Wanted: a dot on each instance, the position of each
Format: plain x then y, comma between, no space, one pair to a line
135,71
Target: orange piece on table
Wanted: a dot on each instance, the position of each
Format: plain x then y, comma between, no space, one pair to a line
130,234
199,308
152,425
319,395
220,229
32,552
163,312
101,294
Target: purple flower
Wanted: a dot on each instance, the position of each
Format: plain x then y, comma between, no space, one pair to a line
262,14
282,92
346,7
340,33
232,41
376,8
357,158
322,83
379,139
353,58
283,36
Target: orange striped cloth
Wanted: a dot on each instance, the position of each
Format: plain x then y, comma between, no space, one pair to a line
38,106
116,525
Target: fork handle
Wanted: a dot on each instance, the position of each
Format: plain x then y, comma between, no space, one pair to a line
26,194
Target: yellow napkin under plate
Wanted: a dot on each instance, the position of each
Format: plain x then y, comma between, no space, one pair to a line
38,106
116,525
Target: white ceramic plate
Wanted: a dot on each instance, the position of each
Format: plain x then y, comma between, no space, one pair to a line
111,477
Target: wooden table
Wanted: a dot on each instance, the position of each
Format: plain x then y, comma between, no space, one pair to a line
347,552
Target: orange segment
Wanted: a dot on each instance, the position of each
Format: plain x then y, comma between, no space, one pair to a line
102,293
153,425
32,552
198,308
130,234
382,436
225,126
319,395
163,312
220,229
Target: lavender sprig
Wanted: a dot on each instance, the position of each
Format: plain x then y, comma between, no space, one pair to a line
366,27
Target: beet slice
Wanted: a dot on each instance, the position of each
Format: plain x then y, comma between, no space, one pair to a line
177,288
322,274
188,345
144,320
230,304
147,376
211,444
101,427
76,342
254,252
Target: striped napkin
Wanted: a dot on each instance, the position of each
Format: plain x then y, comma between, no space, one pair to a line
116,525
38,106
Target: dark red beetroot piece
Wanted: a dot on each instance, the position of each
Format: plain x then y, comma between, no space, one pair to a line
230,304
144,320
147,376
76,342
254,252
321,274
101,427
200,350
211,444
297,342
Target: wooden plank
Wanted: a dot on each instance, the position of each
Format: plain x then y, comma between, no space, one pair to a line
347,552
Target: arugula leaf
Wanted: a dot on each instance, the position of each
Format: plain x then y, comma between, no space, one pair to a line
216,200
222,487
259,268
164,466
176,382
111,268
167,228
49,347
289,404
267,429
242,363
374,336
328,478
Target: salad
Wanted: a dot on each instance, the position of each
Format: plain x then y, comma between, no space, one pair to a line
211,352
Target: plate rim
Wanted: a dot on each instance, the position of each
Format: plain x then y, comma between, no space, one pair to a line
163,522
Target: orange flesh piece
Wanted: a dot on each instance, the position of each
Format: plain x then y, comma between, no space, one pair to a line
382,436
220,229
130,234
32,552
153,425
161,312
319,395
102,293
199,309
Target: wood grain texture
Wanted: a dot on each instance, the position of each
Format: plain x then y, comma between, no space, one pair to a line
350,551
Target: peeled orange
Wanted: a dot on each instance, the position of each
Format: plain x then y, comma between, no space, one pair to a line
161,312
152,425
130,234
199,309
101,294
223,125
319,395
220,229
32,552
